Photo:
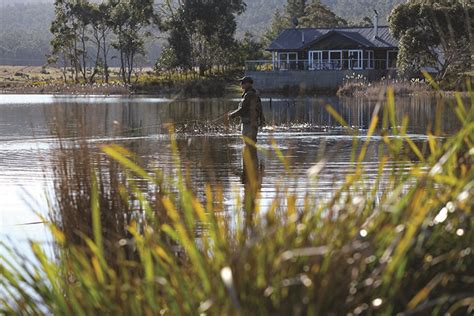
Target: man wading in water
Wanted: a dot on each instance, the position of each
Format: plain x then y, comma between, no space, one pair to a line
251,117
250,111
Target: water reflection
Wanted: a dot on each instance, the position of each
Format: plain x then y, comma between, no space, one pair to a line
252,177
298,127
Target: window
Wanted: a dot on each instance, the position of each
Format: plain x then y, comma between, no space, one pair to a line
288,61
369,62
392,59
316,60
355,59
335,59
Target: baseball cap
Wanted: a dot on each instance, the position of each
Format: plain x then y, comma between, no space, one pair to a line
246,79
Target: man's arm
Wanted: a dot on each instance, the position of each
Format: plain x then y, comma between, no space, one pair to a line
236,113
261,119
243,107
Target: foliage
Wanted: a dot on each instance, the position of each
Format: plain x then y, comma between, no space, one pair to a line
25,38
313,14
433,33
295,9
82,33
250,49
404,248
201,33
355,10
130,21
319,15
167,61
260,13
278,24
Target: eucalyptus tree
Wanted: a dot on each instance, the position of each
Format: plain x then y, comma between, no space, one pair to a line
432,33
101,30
80,37
299,13
178,53
295,8
64,45
201,32
289,17
131,20
317,14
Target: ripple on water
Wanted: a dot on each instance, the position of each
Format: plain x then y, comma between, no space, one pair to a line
26,146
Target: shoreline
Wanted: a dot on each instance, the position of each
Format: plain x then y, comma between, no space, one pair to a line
180,91
37,80
49,80
179,95
414,87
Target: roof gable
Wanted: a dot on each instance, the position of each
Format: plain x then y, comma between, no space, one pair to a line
338,39
299,39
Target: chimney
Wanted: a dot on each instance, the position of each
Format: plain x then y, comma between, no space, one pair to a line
376,24
302,36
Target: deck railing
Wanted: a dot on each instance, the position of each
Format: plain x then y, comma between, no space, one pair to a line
309,65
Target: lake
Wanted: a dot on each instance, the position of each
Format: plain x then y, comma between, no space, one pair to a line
301,128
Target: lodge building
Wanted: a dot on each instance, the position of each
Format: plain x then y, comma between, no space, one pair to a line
324,57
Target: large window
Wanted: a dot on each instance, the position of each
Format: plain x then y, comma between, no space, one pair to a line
288,61
355,59
392,59
335,59
369,59
316,60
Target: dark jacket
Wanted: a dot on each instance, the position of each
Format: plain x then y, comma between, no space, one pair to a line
250,109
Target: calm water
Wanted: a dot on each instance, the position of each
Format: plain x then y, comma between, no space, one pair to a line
301,128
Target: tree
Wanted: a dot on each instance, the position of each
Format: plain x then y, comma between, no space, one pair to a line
319,15
130,20
61,44
101,29
433,33
278,24
201,33
250,48
295,8
65,38
80,38
314,14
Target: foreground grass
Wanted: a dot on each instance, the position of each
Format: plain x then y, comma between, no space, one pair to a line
131,242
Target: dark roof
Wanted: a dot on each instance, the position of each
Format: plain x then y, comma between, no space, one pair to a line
298,39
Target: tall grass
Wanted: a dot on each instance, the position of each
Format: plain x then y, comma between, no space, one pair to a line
136,242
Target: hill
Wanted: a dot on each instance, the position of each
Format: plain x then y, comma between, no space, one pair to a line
260,12
24,24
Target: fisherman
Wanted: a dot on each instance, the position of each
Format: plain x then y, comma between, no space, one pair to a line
250,111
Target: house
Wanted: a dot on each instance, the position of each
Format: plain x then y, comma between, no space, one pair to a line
323,58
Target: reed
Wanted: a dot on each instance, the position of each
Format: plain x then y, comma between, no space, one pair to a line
138,242
360,86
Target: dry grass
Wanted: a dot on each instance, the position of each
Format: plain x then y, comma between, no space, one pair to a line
49,80
360,87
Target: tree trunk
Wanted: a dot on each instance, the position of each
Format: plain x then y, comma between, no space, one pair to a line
75,59
130,67
122,66
84,55
106,66
97,56
64,68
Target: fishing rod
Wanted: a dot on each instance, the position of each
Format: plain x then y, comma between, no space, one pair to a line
223,116
183,122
